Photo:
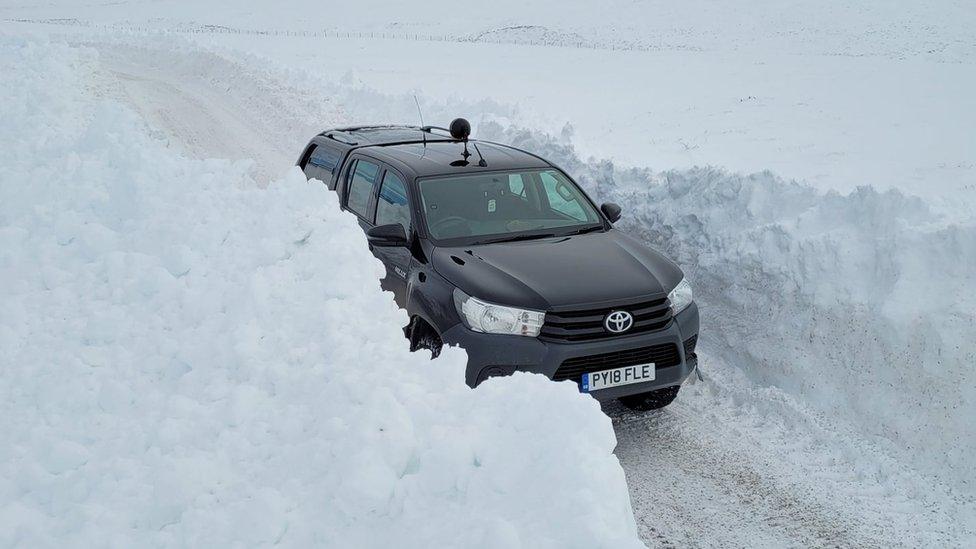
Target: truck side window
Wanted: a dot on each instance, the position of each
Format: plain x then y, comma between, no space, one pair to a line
323,163
563,202
392,204
361,188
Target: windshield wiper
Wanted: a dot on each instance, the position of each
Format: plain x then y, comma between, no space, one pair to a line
517,237
586,230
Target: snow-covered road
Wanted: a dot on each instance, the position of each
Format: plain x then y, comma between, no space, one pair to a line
729,464
733,465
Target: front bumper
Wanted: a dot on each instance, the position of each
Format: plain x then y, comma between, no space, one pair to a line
492,355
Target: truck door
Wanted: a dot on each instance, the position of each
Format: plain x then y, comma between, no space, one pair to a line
378,196
392,206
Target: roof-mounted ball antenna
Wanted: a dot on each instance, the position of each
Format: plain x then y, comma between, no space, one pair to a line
461,129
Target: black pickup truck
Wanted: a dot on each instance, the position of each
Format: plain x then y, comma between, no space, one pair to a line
498,251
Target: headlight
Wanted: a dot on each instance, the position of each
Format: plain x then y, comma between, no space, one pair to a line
497,319
681,296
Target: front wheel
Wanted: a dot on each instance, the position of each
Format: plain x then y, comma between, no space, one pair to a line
652,400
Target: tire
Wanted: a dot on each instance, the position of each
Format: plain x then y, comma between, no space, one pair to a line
423,336
653,400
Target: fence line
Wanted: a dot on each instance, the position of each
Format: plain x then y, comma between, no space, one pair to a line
382,35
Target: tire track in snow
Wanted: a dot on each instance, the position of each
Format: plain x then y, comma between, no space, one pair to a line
730,464
206,106
688,490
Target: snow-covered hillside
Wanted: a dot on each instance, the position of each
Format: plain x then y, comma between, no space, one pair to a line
934,29
838,94
189,360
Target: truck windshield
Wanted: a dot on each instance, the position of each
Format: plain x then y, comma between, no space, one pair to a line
502,206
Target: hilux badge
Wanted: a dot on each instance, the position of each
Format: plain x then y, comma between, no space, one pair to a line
618,321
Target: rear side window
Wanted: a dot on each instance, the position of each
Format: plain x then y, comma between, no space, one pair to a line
392,204
361,188
323,163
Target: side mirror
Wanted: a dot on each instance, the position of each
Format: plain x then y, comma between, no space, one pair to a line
611,210
387,235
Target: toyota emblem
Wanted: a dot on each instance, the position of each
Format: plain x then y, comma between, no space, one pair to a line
618,321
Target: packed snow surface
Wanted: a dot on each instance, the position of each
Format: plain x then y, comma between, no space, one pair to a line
190,360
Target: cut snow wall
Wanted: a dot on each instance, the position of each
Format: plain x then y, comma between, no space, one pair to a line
188,360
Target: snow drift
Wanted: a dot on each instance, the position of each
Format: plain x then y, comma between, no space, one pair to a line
860,305
190,360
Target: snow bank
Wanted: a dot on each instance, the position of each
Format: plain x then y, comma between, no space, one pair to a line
189,360
862,305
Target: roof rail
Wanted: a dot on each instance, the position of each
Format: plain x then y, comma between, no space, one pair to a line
342,137
359,136
378,127
428,129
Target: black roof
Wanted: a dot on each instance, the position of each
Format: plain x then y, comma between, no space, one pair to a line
404,148
439,158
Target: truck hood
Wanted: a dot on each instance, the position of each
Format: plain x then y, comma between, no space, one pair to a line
580,270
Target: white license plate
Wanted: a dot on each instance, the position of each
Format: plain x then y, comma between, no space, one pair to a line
594,381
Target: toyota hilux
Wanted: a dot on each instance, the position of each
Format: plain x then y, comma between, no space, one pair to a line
500,252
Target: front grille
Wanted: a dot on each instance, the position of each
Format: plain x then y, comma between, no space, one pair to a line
587,324
690,345
661,355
